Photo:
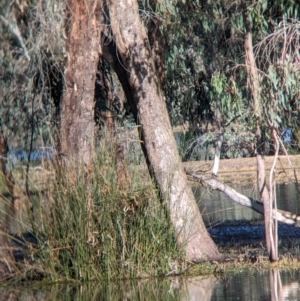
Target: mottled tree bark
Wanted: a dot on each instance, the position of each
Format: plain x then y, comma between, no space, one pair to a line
77,114
160,146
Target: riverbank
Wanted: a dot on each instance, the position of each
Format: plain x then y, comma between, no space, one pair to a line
243,170
69,244
245,240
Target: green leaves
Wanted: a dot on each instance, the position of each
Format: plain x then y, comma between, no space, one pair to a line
227,91
218,82
206,59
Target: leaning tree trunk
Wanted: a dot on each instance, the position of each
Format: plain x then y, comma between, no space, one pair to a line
77,113
156,131
270,225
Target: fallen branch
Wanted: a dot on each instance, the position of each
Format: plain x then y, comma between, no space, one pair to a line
285,217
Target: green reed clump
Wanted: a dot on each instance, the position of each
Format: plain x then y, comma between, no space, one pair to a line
94,227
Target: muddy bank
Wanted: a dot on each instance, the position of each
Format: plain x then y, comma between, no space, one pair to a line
243,170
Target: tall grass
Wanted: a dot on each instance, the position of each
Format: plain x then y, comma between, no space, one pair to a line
91,227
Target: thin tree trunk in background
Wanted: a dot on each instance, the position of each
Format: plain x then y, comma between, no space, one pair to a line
271,234
14,204
77,114
219,141
6,173
218,112
105,86
135,53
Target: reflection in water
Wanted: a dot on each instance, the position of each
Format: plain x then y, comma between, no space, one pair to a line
271,285
276,286
197,288
291,291
267,286
217,207
288,291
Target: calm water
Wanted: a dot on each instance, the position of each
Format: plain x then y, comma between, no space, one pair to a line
271,285
217,207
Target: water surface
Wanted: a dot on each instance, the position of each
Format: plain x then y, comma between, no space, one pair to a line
271,285
215,206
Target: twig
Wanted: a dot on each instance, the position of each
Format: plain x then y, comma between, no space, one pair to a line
15,30
294,170
123,242
273,236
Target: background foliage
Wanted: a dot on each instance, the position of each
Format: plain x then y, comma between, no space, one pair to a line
203,52
205,59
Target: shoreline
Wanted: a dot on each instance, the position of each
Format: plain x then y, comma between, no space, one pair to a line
244,170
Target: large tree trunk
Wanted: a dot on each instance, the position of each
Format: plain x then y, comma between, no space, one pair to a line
77,113
160,146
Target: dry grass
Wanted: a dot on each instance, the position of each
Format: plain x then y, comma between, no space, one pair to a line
129,225
92,228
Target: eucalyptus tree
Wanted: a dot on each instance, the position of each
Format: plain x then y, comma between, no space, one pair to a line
254,87
273,91
92,30
205,62
156,132
124,42
205,75
29,56
244,56
31,50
